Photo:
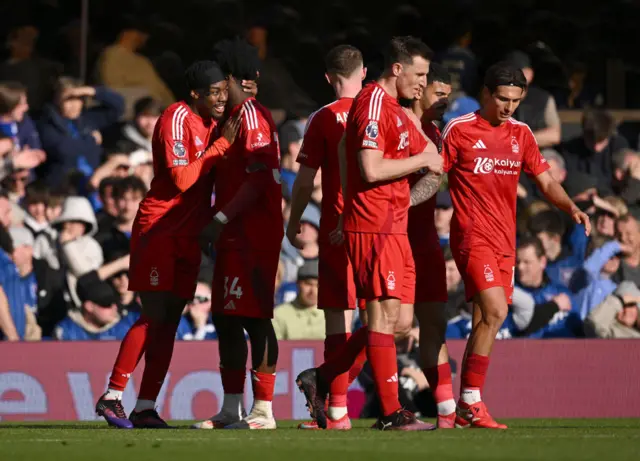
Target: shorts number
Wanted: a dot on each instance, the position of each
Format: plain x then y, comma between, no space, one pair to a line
236,290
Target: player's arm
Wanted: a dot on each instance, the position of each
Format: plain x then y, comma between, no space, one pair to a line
556,194
374,167
185,176
310,159
425,188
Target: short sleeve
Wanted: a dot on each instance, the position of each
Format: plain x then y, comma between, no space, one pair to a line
175,136
533,161
449,150
257,138
313,147
366,117
417,141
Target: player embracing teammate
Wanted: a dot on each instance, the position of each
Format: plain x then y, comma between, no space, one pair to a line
383,147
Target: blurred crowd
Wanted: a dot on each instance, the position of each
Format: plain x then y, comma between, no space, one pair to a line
75,162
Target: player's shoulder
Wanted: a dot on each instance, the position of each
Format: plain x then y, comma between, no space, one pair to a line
459,123
175,119
256,115
521,128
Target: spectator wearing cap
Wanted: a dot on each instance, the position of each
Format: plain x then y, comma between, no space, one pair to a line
617,316
97,318
196,322
70,131
18,300
592,152
538,109
443,215
122,68
301,319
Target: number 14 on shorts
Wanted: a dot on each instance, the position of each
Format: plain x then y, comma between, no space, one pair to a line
234,290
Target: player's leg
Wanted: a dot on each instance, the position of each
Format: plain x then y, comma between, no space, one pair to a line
431,297
232,344
164,310
254,307
490,309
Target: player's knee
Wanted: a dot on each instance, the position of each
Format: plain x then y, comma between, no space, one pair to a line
494,315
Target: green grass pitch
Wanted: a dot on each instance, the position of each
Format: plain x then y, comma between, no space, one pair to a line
526,439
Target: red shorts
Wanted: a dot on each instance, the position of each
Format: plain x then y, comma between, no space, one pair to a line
383,266
431,277
481,268
336,289
244,283
161,262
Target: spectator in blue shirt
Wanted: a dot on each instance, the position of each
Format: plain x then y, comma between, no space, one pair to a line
562,260
14,121
19,286
70,132
97,318
594,280
531,276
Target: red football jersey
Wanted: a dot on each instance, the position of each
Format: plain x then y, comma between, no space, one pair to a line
484,164
320,150
261,226
180,137
377,121
422,229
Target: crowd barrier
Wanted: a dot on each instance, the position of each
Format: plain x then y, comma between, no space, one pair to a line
527,378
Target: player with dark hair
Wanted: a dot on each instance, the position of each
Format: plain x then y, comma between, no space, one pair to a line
336,296
383,147
165,255
247,231
484,153
431,284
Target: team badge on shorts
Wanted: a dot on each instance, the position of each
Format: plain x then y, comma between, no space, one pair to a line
179,149
154,277
391,281
488,273
372,130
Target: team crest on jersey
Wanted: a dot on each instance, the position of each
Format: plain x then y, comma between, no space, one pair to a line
179,149
154,277
515,147
372,130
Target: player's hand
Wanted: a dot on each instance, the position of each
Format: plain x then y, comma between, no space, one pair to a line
232,126
580,217
250,86
336,236
28,158
293,230
433,161
413,339
563,301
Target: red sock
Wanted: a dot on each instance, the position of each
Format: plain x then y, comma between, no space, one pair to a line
131,350
161,339
233,380
345,356
381,351
439,379
263,385
340,384
356,368
474,372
